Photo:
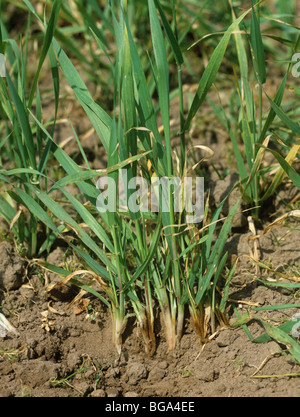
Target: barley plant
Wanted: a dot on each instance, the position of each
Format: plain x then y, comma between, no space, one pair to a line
138,54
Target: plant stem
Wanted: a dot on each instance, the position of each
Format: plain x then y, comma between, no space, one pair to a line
177,280
166,304
182,121
118,308
260,110
256,179
119,321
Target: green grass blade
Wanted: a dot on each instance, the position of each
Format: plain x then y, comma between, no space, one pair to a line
170,35
280,284
281,337
216,253
294,127
36,209
97,268
65,273
162,74
192,246
18,171
277,100
32,9
226,288
88,188
146,110
291,173
211,70
99,118
55,79
63,216
222,116
50,239
152,249
286,328
46,45
24,123
6,210
88,218
89,174
258,52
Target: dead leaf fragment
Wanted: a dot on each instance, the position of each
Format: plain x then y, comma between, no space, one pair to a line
81,306
46,323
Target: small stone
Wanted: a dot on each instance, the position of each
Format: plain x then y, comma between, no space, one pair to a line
31,342
185,343
223,339
125,378
207,374
260,300
163,365
221,388
6,393
83,387
149,392
136,371
6,369
112,373
212,349
112,392
161,392
98,393
273,347
73,359
56,257
131,394
74,332
156,375
31,354
89,373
